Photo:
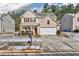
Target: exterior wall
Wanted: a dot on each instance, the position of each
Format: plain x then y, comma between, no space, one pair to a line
43,22
21,27
67,23
76,22
0,25
22,20
8,24
38,29
58,27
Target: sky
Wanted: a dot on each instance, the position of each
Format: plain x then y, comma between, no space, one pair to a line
5,7
37,6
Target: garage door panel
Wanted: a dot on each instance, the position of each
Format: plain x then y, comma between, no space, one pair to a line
47,31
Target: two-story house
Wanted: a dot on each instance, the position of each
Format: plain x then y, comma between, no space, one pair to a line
39,23
70,22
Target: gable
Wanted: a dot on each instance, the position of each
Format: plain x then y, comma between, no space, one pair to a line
43,22
76,19
66,18
9,19
28,14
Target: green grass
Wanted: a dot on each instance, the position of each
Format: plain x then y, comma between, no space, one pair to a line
17,43
22,43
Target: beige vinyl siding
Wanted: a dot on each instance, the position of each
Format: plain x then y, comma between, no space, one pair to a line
76,22
43,22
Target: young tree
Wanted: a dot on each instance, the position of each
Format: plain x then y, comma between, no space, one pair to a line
35,10
76,8
45,7
53,8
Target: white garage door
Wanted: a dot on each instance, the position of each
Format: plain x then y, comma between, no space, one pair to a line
47,31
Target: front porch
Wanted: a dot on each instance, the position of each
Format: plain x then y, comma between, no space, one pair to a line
33,29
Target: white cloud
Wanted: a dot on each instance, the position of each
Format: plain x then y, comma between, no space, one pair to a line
38,9
60,4
34,9
5,7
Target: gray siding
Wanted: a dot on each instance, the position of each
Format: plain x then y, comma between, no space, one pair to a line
0,25
7,24
67,23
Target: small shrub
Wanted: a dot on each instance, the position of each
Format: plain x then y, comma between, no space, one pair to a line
23,33
18,34
58,32
37,35
76,30
29,42
16,43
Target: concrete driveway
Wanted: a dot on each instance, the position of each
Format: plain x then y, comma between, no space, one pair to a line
61,44
74,36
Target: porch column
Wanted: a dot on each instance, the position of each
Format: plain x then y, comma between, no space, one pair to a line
32,29
38,29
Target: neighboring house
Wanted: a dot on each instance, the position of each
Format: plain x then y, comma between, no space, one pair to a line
7,23
70,22
39,23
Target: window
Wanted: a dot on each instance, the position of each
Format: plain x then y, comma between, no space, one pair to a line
34,19
48,22
78,19
31,20
26,19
